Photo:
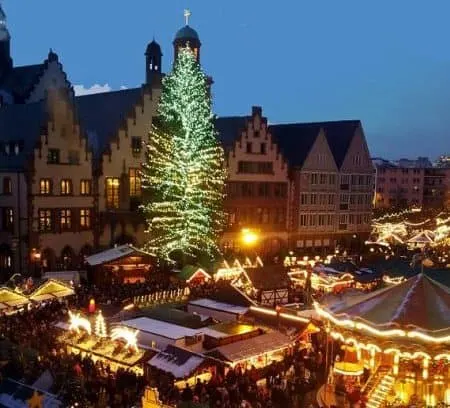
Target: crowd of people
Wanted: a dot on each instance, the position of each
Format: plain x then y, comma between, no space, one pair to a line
289,383
29,347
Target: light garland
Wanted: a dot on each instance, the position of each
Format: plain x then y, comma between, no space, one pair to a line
77,322
100,325
124,333
380,333
184,170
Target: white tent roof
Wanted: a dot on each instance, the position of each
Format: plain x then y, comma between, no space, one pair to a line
168,330
167,363
113,254
219,306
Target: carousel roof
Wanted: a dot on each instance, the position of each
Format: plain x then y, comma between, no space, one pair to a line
419,303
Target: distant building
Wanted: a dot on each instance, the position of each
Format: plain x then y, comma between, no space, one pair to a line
401,185
69,169
301,185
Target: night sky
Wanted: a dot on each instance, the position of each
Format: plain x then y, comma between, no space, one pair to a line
385,62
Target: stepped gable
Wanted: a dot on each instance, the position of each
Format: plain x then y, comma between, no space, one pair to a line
294,140
418,303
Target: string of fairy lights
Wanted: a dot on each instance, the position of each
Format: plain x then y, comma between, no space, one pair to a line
395,228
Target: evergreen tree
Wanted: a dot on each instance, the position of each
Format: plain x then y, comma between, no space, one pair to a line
184,171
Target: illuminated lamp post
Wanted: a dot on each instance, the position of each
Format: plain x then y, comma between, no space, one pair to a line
36,260
249,238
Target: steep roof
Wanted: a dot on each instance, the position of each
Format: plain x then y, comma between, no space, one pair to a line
420,302
20,123
295,140
269,277
102,114
229,129
339,135
20,80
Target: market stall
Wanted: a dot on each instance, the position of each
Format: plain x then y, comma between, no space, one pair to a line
124,263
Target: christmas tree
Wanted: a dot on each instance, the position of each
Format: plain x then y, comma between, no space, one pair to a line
184,171
100,326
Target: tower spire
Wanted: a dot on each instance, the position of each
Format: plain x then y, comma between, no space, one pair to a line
5,55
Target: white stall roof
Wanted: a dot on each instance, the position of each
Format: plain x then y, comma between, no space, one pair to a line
219,306
113,254
157,327
179,362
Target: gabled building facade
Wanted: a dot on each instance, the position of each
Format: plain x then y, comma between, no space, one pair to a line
70,181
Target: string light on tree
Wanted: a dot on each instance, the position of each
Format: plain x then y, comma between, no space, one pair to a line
184,170
100,325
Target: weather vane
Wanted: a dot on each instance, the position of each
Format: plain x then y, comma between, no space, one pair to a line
187,14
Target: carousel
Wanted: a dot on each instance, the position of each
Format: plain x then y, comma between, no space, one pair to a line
394,343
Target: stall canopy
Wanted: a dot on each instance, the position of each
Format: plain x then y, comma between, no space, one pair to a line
10,299
255,346
114,254
191,273
179,362
51,289
419,303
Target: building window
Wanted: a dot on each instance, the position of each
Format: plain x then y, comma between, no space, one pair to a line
112,192
332,179
247,189
45,186
136,145
74,157
303,220
85,218
314,178
256,134
323,179
263,190
255,167
66,187
263,148
65,220
280,190
313,199
248,148
331,199
85,187
45,220
135,182
8,219
7,185
53,156
265,216
304,199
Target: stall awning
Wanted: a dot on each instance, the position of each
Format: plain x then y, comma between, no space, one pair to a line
10,298
114,254
256,346
51,289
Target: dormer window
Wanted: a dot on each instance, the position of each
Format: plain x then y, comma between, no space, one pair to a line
136,145
53,156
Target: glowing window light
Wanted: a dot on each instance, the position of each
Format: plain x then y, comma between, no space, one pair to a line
77,322
124,333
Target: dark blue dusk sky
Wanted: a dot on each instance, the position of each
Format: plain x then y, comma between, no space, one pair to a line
386,62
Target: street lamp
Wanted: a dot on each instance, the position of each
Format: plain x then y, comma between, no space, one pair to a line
249,237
